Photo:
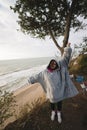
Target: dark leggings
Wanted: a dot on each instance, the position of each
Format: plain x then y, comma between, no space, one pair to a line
58,105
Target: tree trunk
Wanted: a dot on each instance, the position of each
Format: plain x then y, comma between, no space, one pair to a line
67,29
56,43
68,23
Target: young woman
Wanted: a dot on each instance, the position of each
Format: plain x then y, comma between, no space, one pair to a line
56,107
56,83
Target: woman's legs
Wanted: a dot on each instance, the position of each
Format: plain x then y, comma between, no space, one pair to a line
52,106
59,106
59,109
53,111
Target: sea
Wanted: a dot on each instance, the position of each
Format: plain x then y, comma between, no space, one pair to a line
14,74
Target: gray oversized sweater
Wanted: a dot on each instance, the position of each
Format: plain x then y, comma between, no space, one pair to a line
57,84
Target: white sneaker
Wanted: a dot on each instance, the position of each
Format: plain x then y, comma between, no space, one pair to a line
53,115
59,117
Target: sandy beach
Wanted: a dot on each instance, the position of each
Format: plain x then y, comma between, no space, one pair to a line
26,95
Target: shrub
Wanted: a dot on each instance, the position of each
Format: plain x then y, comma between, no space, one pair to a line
80,66
6,103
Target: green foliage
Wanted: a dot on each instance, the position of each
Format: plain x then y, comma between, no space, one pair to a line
79,65
36,17
25,114
82,60
6,103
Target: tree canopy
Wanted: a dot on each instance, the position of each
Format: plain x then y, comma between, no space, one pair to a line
53,18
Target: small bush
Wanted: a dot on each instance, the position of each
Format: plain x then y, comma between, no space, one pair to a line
6,103
81,65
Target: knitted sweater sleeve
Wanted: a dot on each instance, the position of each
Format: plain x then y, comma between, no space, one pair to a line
66,56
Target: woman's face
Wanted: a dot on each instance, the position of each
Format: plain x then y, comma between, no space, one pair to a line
53,64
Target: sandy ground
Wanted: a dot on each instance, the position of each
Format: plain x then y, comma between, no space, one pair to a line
26,95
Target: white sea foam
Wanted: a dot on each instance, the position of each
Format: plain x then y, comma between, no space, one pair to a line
14,74
12,81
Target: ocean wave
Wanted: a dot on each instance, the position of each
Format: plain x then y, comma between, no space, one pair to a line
14,80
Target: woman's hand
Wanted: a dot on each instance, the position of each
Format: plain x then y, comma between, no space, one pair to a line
68,44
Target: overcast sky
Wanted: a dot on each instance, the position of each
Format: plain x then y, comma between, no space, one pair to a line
14,44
